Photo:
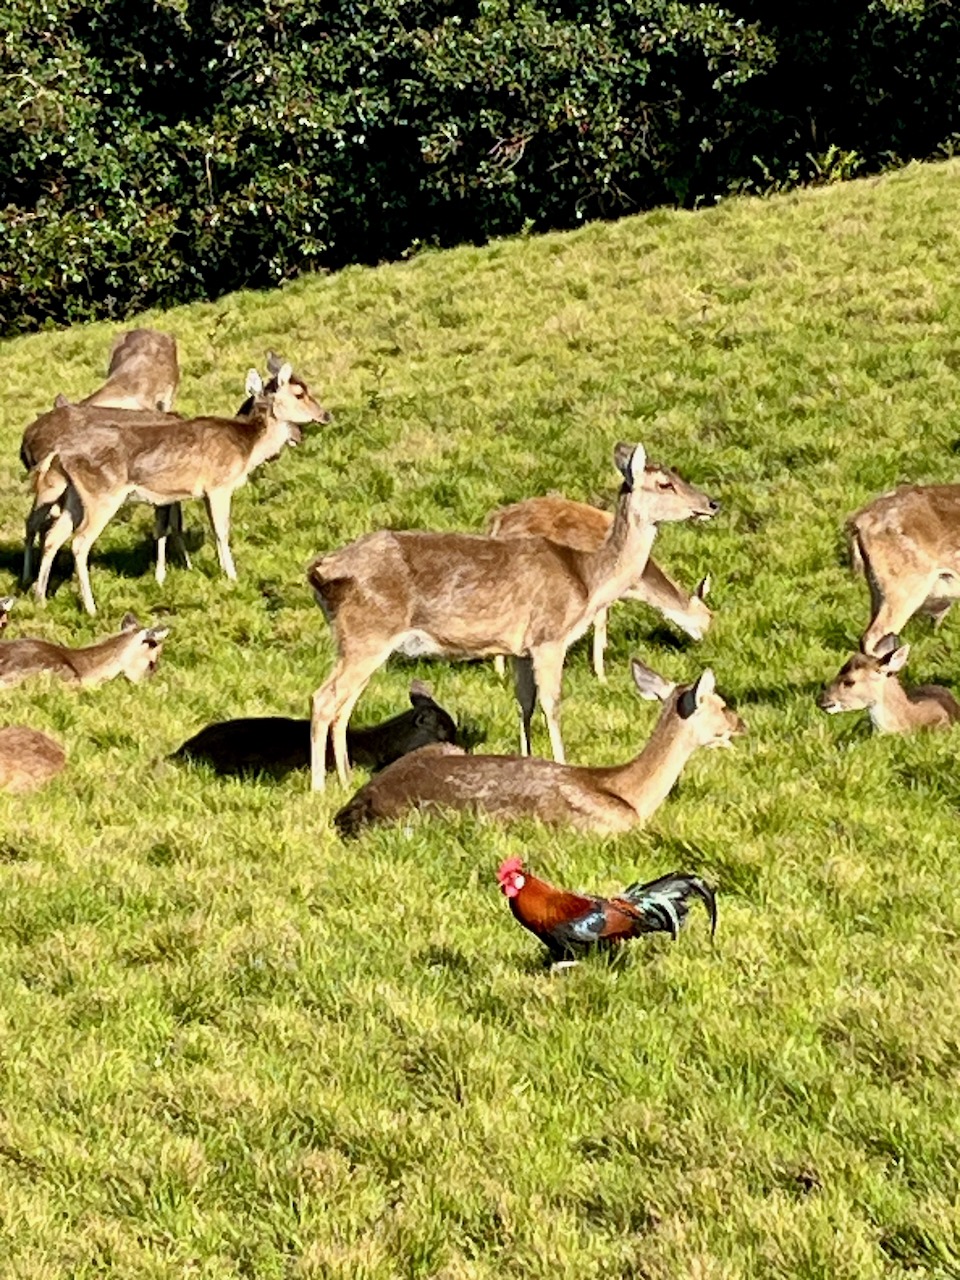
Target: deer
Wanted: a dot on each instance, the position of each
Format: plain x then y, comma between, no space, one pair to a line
466,595
162,463
575,524
6,604
601,800
870,681
275,744
133,652
143,373
907,544
142,376
28,758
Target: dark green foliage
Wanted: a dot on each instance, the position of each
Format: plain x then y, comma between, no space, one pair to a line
154,151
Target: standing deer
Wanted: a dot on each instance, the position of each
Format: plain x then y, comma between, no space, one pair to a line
162,463
134,653
602,800
28,758
869,681
577,525
143,373
463,595
142,376
907,543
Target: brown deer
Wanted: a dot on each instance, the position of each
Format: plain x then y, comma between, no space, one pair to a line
907,543
163,463
6,604
134,652
142,376
602,800
577,525
28,758
143,373
463,595
868,681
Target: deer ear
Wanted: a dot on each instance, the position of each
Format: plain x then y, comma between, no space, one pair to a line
706,684
884,646
254,385
61,401
419,693
130,622
896,660
630,460
703,588
156,635
650,684
274,362
284,374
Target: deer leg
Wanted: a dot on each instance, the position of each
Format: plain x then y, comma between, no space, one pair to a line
175,524
41,515
218,509
893,609
548,673
94,521
500,665
54,539
525,687
160,528
332,704
600,644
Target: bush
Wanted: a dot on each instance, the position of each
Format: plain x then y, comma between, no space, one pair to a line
157,151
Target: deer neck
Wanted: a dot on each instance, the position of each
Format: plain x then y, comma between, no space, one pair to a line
646,781
622,556
270,434
98,662
893,712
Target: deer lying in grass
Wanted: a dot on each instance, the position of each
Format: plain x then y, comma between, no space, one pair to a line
6,604
28,758
604,800
134,652
142,376
907,543
163,463
577,525
868,681
462,595
275,745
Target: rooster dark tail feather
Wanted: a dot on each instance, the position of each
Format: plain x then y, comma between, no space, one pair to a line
667,900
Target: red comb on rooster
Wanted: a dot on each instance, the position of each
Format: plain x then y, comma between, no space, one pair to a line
568,924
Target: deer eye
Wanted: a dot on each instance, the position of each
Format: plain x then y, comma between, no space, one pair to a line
847,684
665,486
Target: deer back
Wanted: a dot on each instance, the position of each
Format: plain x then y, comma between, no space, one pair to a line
143,373
28,758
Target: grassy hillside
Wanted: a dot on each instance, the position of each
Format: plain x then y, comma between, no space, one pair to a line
232,1046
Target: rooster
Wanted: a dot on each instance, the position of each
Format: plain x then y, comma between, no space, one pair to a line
570,923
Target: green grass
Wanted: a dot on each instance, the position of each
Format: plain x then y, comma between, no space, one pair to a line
232,1046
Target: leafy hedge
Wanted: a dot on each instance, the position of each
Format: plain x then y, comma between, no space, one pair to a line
154,151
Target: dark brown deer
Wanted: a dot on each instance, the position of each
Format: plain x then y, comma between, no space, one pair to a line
162,463
462,595
275,744
604,800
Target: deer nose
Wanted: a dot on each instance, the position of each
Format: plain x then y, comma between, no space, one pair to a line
713,505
